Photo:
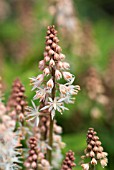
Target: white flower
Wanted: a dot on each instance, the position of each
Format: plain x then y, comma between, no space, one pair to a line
56,104
41,93
36,81
33,113
67,91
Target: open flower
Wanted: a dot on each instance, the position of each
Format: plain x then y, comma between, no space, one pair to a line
56,104
41,93
33,113
36,81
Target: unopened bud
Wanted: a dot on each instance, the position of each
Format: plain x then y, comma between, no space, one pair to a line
50,83
58,75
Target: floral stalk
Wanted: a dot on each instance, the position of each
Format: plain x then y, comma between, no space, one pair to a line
49,91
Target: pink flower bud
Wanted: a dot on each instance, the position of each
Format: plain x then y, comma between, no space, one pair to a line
62,56
34,157
54,45
66,65
46,71
51,63
51,52
60,65
47,58
56,56
47,48
50,83
63,89
104,162
67,76
41,64
40,155
85,166
27,164
92,154
58,75
49,42
58,49
34,165
51,35
94,161
21,117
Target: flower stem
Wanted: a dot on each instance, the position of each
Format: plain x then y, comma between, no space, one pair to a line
51,121
93,167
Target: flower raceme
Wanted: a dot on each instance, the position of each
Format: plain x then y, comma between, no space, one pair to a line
54,68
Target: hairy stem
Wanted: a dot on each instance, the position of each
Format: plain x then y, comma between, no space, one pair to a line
51,121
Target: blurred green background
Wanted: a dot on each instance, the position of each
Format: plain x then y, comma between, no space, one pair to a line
86,33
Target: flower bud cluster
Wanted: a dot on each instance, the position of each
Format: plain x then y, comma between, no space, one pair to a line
31,162
94,151
17,101
68,163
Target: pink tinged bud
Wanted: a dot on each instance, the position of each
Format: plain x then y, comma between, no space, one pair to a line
56,56
58,49
92,154
99,155
47,48
34,157
96,148
54,45
51,63
40,155
27,164
85,166
67,76
49,42
60,65
94,161
100,148
34,165
18,107
66,65
58,75
50,83
47,58
45,54
21,117
63,89
41,64
104,162
51,36
62,56
51,52
45,163
46,71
